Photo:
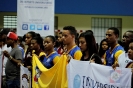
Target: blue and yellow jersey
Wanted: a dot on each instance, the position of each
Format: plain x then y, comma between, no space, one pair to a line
111,57
76,53
51,60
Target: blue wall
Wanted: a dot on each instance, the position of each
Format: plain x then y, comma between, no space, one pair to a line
94,7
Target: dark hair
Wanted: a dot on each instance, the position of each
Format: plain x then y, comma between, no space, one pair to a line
71,29
32,33
39,40
20,39
90,31
23,38
52,38
116,31
91,43
101,51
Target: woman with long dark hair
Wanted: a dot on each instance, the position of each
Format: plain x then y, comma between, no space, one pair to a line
88,47
103,47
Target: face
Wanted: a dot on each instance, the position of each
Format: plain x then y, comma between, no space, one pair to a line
48,44
104,45
9,42
126,38
82,44
130,51
34,44
111,37
28,39
67,37
60,38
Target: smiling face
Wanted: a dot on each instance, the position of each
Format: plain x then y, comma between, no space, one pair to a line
82,44
130,51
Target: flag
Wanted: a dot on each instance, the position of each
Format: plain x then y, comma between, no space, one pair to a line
55,77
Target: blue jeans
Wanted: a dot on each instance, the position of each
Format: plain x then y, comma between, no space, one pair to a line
13,84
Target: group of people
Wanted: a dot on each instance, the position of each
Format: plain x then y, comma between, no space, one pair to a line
81,47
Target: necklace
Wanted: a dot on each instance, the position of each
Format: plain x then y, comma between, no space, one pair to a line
70,49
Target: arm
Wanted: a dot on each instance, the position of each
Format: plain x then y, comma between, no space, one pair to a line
117,54
104,57
78,55
18,56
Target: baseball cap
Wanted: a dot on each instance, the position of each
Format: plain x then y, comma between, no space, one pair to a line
12,35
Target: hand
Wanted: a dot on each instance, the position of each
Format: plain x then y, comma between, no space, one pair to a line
92,60
6,54
115,65
29,68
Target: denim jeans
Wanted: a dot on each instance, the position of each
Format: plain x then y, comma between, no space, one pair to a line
13,84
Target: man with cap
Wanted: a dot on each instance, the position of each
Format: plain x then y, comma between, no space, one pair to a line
12,69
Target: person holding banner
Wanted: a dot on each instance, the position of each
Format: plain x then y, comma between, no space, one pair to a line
88,47
69,35
12,69
52,57
112,54
123,59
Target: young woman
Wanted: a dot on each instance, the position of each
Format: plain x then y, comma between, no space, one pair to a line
103,47
88,47
28,54
52,56
130,55
60,41
37,46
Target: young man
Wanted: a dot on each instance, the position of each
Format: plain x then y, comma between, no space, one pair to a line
3,46
69,34
111,55
12,69
123,59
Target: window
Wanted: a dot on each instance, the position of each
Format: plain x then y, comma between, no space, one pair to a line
100,25
10,21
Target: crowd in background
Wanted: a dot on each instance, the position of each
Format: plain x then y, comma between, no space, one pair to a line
16,50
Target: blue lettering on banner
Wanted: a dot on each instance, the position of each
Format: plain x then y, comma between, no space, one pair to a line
32,27
46,27
88,82
24,26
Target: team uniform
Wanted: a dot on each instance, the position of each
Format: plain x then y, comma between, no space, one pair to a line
75,52
111,57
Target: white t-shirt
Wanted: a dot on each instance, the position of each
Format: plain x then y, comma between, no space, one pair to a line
123,60
8,49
